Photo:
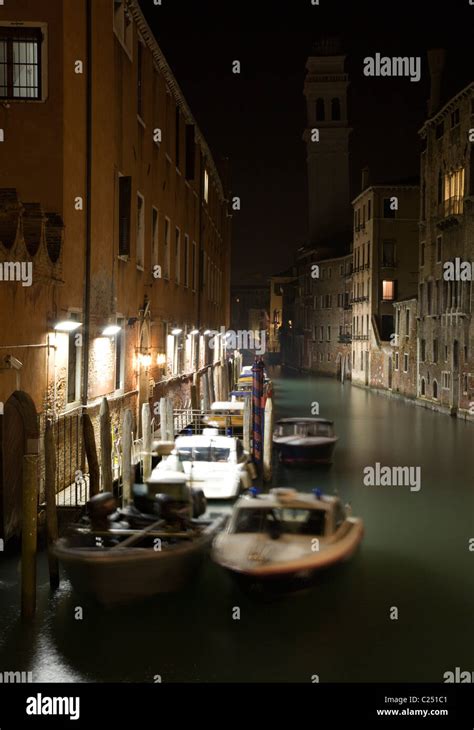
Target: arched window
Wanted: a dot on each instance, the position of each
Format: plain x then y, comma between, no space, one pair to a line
320,110
435,389
335,110
423,387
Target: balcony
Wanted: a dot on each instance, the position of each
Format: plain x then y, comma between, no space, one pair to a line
360,337
360,299
449,211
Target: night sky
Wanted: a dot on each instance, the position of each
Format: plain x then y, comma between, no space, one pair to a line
257,118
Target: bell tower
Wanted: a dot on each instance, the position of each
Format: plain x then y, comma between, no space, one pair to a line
327,144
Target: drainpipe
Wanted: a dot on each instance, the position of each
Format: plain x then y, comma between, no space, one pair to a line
87,272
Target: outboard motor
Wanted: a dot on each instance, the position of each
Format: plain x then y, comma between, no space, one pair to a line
101,509
199,502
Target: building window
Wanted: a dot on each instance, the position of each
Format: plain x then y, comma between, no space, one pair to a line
369,210
454,192
119,357
439,248
329,357
405,362
455,118
166,252
140,80
423,387
177,129
74,365
388,254
435,350
321,334
140,231
465,383
206,186
446,380
435,390
186,260
20,63
422,350
329,334
388,211
440,187
125,201
407,323
177,256
422,253
123,25
154,237
397,360
362,360
320,110
388,290
335,110
193,264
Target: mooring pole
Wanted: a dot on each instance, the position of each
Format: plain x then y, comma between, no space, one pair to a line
29,533
268,441
91,454
50,494
106,446
127,456
146,430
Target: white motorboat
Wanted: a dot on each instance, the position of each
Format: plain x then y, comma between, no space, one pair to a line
305,440
286,537
216,464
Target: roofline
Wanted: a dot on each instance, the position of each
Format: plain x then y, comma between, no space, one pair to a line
385,187
439,114
162,65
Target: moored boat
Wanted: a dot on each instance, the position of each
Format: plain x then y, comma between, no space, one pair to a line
305,440
154,546
286,537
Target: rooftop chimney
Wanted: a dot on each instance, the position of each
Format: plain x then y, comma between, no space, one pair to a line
436,58
365,179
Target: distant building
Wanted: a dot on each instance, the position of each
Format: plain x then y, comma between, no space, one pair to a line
446,327
385,270
277,283
402,365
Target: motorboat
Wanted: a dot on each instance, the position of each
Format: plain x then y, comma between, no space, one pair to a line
218,465
153,546
226,415
305,440
286,537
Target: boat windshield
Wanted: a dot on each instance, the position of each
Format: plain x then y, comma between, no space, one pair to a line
203,453
313,429
287,520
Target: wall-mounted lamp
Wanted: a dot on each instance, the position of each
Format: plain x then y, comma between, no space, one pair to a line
111,330
176,331
161,359
194,332
67,325
144,359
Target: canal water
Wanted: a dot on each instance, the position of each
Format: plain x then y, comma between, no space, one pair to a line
415,557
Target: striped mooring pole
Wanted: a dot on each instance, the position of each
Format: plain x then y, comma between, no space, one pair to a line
257,425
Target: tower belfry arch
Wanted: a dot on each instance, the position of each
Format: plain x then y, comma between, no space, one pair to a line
325,89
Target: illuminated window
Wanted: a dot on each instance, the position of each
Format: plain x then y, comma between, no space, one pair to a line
388,291
206,186
454,192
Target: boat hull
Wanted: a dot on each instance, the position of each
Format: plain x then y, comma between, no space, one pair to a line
114,577
306,454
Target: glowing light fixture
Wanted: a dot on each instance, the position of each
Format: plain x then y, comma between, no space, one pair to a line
176,331
144,359
194,332
67,325
111,330
161,359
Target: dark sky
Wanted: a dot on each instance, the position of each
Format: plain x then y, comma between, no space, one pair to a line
257,118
